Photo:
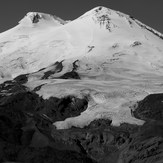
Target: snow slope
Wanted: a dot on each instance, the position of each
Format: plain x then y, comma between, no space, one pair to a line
119,60
31,46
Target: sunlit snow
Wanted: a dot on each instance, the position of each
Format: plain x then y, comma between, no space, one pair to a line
119,59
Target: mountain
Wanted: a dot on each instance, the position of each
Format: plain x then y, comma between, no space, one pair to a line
40,40
82,90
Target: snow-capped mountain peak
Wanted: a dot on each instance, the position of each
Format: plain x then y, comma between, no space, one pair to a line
111,19
99,35
100,10
32,18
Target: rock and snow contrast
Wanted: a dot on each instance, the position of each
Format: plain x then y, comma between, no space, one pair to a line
86,84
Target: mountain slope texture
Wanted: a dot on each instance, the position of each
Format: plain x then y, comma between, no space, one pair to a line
86,90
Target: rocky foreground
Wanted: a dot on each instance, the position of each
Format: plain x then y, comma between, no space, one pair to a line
27,133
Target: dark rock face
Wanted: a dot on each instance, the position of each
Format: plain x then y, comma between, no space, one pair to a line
146,145
127,143
93,140
136,43
70,75
22,79
58,68
75,65
36,18
60,109
9,87
26,121
151,108
27,133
